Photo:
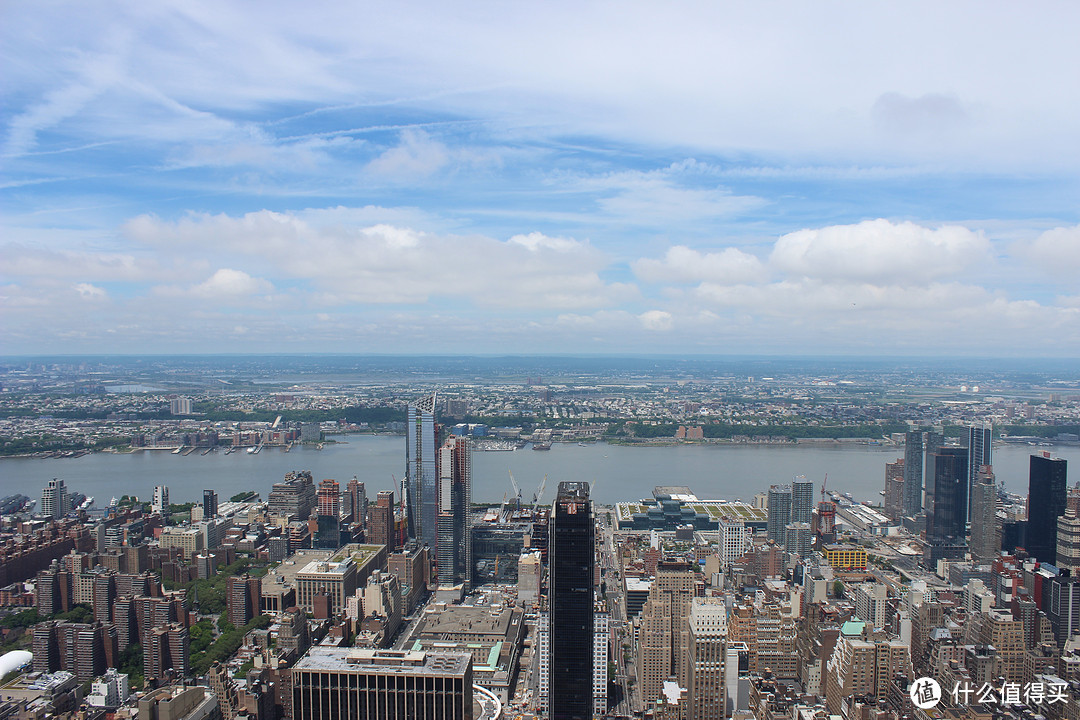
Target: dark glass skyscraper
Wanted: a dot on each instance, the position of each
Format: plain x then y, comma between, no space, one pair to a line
946,501
209,504
1047,495
421,472
978,457
779,507
913,473
946,505
571,554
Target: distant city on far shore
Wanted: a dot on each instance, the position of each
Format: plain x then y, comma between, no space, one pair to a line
934,540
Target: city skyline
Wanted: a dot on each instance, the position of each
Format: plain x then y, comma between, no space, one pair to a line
702,179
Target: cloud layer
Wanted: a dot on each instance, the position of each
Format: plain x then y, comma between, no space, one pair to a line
184,176
295,280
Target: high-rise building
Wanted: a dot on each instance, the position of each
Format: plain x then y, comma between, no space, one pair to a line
946,510
81,648
797,539
870,603
160,505
779,508
735,539
601,639
1047,498
366,684
985,527
166,653
412,565
802,499
328,533
454,542
934,442
913,473
335,581
662,648
224,689
180,406
1068,542
293,497
572,559
1063,607
209,504
894,489
357,495
382,521
243,595
862,667
824,523
707,638
978,457
946,501
55,501
421,471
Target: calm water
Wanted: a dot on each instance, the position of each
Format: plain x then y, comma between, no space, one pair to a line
620,472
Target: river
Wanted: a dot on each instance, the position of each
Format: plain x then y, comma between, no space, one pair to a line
620,472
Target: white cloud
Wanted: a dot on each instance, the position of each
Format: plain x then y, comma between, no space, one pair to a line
88,291
682,264
536,242
418,156
227,282
880,250
1057,251
656,320
660,197
388,264
39,262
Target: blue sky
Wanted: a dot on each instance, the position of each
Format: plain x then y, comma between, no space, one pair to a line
790,178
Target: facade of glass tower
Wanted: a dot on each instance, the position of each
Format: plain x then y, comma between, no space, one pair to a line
571,561
913,473
421,471
1047,499
454,541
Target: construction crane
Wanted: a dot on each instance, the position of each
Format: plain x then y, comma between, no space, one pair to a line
540,492
517,490
823,484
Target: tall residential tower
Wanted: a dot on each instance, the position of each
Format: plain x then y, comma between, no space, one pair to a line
453,549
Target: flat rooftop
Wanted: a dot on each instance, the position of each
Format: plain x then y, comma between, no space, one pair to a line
360,554
384,662
715,509
464,620
296,563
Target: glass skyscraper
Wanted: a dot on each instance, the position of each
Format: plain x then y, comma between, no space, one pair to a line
1047,497
978,457
913,473
421,471
454,542
571,556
